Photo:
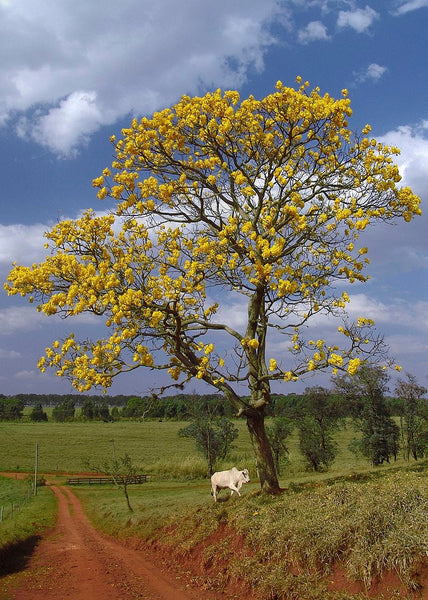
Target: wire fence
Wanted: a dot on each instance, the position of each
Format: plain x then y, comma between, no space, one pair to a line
9,510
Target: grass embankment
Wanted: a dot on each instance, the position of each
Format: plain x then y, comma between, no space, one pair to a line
295,541
23,524
366,520
293,546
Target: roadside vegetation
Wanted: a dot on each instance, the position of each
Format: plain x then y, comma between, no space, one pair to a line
351,462
294,546
24,517
363,520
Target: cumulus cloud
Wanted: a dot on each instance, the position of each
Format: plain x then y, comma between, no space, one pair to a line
93,67
66,127
21,243
373,73
359,19
412,140
9,354
405,7
314,31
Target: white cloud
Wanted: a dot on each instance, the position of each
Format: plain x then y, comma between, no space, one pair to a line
374,72
406,7
234,313
403,249
25,244
407,344
68,126
15,319
314,31
413,160
93,67
359,19
22,243
24,374
9,354
398,313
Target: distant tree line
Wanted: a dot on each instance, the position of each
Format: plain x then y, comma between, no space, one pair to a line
49,400
385,426
319,413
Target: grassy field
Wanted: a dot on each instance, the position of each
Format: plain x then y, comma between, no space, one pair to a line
65,447
370,520
154,446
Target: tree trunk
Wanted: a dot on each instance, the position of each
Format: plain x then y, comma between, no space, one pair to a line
264,459
125,491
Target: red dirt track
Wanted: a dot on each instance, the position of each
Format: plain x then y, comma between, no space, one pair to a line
76,562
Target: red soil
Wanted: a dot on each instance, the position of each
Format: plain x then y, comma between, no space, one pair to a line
77,562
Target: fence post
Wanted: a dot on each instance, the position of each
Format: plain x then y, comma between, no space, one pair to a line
36,464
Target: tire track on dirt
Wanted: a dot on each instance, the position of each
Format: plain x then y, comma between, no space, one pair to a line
77,562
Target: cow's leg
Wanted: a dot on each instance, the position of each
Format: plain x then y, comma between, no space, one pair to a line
214,492
234,489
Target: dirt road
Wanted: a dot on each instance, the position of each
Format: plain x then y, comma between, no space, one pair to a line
76,562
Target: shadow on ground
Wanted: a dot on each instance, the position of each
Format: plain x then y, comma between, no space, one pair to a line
15,557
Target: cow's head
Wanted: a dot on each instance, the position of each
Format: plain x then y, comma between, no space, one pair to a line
246,475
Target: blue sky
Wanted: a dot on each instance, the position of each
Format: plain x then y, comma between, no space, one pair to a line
74,72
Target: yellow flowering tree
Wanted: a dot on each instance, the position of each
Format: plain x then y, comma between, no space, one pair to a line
219,198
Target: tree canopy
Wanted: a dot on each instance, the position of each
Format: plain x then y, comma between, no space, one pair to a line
220,202
365,395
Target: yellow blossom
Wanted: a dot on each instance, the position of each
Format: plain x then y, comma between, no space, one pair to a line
253,343
353,365
258,200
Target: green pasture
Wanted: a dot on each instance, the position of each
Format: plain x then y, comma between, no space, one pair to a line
155,447
13,491
372,519
66,447
23,515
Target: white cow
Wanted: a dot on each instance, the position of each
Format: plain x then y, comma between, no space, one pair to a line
232,479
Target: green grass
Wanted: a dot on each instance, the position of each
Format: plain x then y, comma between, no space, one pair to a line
369,524
153,446
155,504
368,520
65,447
31,514
13,490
